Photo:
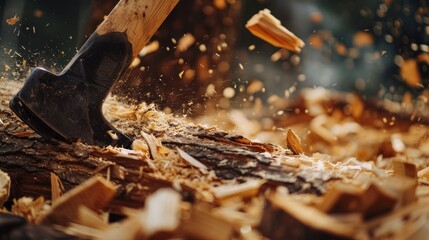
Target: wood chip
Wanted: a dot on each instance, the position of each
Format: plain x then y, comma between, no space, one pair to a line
94,194
162,212
341,198
423,175
299,221
157,150
397,144
293,142
403,187
149,48
140,145
30,209
13,20
254,86
377,200
161,216
247,189
89,218
4,187
57,188
191,160
404,169
203,225
135,63
267,27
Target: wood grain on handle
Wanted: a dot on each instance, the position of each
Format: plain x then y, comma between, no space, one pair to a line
139,19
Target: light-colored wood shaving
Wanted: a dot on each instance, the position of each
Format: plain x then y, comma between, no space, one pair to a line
127,153
57,188
162,212
5,183
157,150
194,162
139,145
149,48
203,225
293,142
89,218
94,194
30,209
267,27
247,189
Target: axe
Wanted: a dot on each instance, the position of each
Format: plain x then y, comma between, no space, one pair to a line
68,106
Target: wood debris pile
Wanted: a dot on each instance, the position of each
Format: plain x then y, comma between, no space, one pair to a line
259,190
378,151
344,125
187,154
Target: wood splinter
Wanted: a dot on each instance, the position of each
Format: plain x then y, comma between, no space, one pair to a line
94,194
267,27
293,142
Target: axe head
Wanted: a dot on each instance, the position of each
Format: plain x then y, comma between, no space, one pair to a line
68,106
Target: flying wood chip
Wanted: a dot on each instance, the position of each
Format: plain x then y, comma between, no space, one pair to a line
267,27
12,21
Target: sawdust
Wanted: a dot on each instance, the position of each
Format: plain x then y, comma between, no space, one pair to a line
167,164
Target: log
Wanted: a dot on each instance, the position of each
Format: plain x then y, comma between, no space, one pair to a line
30,159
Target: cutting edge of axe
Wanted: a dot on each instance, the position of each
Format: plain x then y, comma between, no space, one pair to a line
68,106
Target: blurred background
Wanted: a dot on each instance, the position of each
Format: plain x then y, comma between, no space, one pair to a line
41,32
378,49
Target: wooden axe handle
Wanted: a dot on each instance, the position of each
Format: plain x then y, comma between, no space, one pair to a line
139,19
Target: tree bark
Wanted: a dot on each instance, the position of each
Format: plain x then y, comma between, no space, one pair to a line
30,159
